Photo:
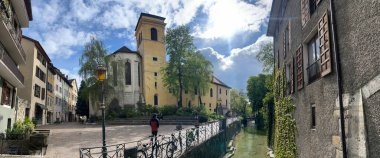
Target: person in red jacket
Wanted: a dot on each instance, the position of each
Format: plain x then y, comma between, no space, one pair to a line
154,124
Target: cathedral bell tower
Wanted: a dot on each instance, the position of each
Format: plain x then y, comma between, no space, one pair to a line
150,33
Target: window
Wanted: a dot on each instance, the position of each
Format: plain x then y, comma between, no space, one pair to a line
27,110
9,124
211,92
138,73
312,6
220,90
37,92
155,85
155,99
155,73
286,41
186,91
209,106
313,120
40,74
128,79
56,100
114,69
226,103
43,94
313,69
226,92
154,58
6,98
140,38
195,91
153,34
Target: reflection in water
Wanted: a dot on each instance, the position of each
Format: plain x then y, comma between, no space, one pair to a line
251,143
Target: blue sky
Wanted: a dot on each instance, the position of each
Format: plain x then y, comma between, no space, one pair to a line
229,33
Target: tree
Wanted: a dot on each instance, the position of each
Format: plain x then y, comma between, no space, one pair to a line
256,93
198,75
82,101
179,45
94,54
266,57
239,103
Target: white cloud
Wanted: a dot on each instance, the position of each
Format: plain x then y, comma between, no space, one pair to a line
241,63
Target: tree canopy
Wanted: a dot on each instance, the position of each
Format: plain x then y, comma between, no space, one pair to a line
186,69
82,101
266,57
239,103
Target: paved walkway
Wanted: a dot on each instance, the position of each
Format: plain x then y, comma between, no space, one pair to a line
66,139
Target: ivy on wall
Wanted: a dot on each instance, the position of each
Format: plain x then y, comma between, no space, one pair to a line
285,124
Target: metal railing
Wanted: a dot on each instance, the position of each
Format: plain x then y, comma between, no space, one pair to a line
7,18
164,146
313,71
10,64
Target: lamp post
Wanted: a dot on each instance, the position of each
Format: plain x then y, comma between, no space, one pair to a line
101,77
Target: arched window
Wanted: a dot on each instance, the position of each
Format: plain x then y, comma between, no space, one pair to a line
210,92
153,34
114,71
128,79
155,99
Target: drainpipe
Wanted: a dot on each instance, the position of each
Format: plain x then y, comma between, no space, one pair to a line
338,77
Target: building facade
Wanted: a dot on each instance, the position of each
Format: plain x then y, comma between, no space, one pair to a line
14,15
58,115
328,53
73,95
50,96
35,74
135,76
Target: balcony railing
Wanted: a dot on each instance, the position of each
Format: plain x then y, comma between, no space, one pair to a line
313,71
7,60
7,17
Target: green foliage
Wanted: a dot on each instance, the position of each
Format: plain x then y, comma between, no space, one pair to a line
285,129
82,101
186,69
167,110
239,103
257,90
266,57
20,129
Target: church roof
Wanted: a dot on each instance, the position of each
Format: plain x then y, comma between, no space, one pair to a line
148,15
218,82
125,49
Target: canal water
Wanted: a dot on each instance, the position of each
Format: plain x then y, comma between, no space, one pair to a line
250,143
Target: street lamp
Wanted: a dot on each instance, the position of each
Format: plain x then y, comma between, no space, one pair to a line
101,77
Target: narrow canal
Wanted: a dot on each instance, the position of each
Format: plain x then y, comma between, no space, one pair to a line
251,143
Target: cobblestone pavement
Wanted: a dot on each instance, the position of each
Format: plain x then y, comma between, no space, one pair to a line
65,139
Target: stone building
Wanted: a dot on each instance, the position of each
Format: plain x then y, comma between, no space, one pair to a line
329,52
14,15
73,95
135,76
35,73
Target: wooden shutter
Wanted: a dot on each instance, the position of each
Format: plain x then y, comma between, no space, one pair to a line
324,39
292,76
299,60
305,16
284,45
318,1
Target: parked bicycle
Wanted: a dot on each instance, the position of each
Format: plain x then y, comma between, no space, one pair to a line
174,146
155,147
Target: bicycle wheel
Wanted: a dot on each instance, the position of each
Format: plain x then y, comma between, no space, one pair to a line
141,154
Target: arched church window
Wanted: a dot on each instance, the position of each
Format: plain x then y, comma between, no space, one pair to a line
128,79
210,92
153,34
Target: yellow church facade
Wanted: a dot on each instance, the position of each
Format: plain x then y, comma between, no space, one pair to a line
135,76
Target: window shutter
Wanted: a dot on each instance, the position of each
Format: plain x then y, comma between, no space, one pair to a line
318,1
290,35
324,40
292,77
305,16
284,45
299,60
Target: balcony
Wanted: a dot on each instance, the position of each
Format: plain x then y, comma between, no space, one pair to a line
11,36
9,70
313,71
